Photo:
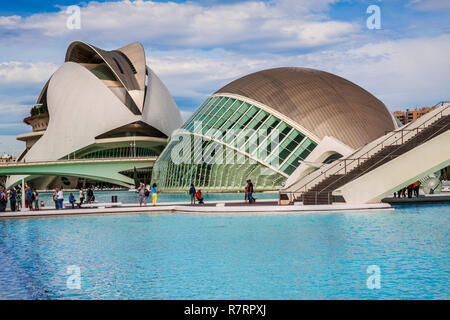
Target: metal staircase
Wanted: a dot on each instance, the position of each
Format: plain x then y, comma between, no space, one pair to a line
317,187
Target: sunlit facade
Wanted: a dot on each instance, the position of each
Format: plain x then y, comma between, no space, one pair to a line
98,105
261,147
247,130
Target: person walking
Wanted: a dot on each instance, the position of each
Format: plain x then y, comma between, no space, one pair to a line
55,198
246,193
3,196
36,200
250,191
60,199
30,196
28,200
154,194
81,196
403,192
18,193
417,188
192,193
90,195
142,190
410,190
12,199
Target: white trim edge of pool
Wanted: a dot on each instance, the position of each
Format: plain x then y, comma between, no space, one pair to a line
198,209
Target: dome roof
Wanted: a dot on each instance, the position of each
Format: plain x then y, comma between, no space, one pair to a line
323,103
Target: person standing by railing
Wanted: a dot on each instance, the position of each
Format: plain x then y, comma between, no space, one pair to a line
250,191
192,194
36,200
246,194
154,194
12,199
81,196
3,199
90,195
417,188
27,197
30,198
142,195
410,190
60,199
55,198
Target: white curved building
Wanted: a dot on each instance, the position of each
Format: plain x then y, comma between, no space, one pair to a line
273,127
99,104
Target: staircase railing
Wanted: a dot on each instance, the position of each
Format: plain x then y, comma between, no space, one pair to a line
391,155
396,137
320,196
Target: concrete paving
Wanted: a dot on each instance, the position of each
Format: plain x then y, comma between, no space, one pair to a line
212,208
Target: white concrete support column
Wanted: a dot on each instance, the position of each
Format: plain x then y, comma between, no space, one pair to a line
23,194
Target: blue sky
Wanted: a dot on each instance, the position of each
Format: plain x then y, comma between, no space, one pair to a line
196,47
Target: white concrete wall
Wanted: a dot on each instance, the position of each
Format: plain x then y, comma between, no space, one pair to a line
404,170
326,147
81,107
309,180
160,110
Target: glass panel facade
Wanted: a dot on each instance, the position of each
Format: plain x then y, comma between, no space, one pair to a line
227,141
123,152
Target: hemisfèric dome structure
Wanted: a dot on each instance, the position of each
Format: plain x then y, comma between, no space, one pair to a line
316,116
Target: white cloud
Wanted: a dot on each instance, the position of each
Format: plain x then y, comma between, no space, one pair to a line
25,72
280,24
430,5
9,21
190,75
14,110
403,73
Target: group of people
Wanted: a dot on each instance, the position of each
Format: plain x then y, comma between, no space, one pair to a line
12,196
196,195
31,199
412,189
249,192
144,193
32,196
58,198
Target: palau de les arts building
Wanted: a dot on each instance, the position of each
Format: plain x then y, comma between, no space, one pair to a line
99,104
273,126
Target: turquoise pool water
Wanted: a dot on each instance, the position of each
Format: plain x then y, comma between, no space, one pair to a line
132,197
304,256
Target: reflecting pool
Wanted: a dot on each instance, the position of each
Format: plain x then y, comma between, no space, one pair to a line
178,256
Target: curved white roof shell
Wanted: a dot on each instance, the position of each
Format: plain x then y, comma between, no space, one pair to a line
83,106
